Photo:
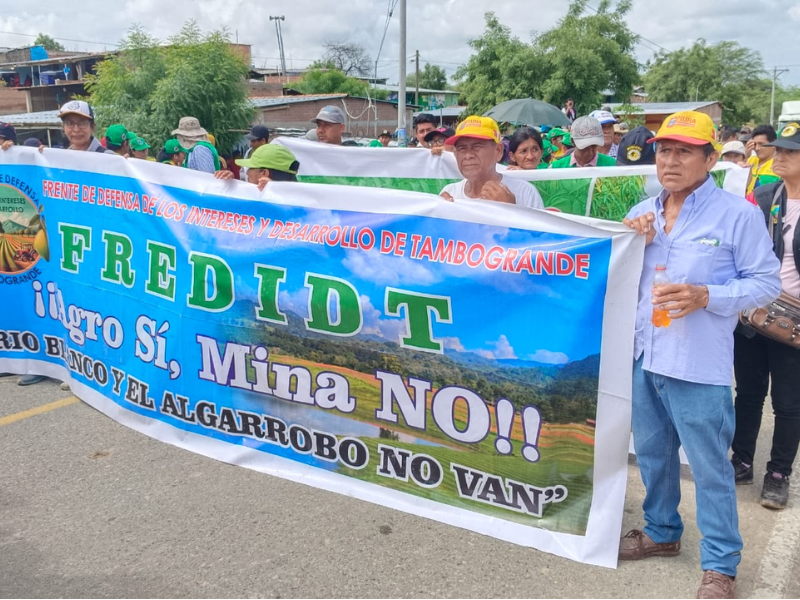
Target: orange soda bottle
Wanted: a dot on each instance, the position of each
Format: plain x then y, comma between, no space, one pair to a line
660,316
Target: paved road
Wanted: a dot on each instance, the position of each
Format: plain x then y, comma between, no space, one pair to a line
89,508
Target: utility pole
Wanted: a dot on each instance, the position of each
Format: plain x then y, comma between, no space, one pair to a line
279,33
375,84
775,74
416,78
401,92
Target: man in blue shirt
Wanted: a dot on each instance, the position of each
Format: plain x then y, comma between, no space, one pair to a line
719,261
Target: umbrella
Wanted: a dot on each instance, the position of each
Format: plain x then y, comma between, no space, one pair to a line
527,111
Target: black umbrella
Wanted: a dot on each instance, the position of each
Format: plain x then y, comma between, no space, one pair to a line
527,111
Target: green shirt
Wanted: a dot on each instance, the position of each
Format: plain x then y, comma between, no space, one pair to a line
602,161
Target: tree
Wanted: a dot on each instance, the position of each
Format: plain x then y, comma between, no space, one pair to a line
47,42
347,57
588,53
499,69
579,58
725,71
149,87
431,77
325,78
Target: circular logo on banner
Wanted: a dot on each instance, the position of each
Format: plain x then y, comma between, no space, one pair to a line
23,238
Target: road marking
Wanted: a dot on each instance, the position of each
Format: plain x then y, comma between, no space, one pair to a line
38,410
782,548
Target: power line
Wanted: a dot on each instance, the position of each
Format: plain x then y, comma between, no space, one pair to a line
60,38
641,37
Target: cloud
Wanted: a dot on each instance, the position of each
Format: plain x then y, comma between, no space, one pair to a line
388,270
502,349
453,343
440,29
296,302
391,329
548,357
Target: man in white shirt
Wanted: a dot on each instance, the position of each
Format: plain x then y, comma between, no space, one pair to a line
477,150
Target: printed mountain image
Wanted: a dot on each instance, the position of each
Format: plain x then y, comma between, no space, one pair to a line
564,394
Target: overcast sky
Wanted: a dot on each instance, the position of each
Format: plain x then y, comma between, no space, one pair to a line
439,29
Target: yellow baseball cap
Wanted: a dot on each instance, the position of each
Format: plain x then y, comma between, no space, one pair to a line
689,127
482,128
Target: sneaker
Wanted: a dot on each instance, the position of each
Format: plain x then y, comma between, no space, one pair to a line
775,494
744,473
717,585
30,379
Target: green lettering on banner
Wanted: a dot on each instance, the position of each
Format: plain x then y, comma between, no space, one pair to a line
119,250
75,241
348,307
418,317
268,280
216,296
161,281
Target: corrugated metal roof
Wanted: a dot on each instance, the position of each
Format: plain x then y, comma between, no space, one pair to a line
410,89
281,100
450,111
57,60
45,117
664,108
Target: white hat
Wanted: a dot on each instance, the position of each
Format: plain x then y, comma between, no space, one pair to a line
587,131
734,148
603,116
189,127
76,107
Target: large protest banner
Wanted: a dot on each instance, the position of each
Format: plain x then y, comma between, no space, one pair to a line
597,192
469,362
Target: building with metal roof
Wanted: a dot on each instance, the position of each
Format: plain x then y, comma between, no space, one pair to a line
655,112
270,101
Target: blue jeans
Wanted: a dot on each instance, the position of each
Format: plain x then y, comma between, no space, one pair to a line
668,413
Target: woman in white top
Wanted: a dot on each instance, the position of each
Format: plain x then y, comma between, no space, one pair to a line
758,359
477,150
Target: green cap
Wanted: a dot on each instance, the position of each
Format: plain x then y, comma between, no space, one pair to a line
547,148
567,139
139,144
556,132
270,156
173,147
117,134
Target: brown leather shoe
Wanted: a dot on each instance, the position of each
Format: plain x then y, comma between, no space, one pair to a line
717,585
636,545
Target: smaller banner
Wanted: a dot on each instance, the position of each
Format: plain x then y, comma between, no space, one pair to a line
600,192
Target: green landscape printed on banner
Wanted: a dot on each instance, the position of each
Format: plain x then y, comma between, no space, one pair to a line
565,195
613,197
408,184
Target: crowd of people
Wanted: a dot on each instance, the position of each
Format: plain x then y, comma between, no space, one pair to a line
722,255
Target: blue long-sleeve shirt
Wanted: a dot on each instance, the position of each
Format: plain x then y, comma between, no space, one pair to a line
719,240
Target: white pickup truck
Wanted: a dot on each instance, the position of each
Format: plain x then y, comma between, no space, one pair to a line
790,113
